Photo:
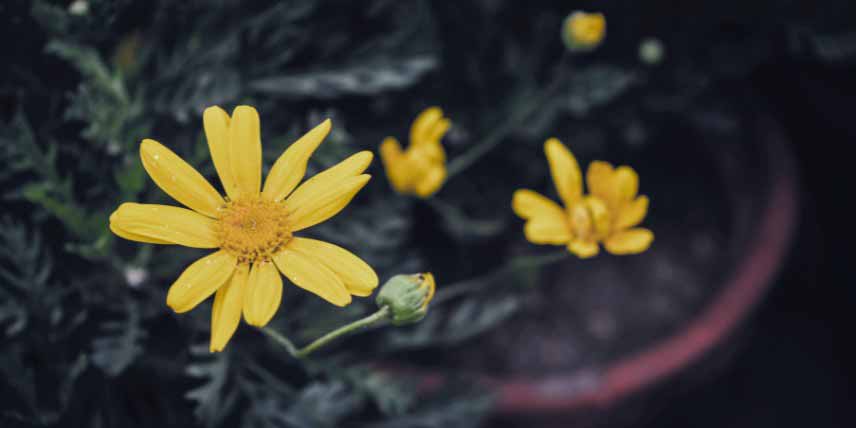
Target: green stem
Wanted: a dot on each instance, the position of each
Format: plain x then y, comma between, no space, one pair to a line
519,263
465,160
350,328
282,340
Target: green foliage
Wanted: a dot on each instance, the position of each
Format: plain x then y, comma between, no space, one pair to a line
367,78
102,100
87,337
118,344
24,271
213,399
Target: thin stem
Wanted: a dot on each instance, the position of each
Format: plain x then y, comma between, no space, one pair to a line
346,329
282,340
355,326
465,160
519,263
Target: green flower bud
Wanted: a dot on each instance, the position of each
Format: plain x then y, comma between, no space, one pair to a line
583,31
652,51
407,297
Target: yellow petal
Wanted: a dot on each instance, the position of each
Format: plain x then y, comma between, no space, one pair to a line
631,241
290,168
599,213
215,120
178,179
359,278
331,177
134,237
226,312
245,150
565,171
264,294
200,280
599,178
528,204
164,223
583,249
312,276
326,203
547,229
432,287
431,182
424,124
626,183
438,131
632,213
429,152
395,164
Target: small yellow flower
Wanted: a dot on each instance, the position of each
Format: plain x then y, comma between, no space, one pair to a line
618,188
421,169
253,227
583,31
603,216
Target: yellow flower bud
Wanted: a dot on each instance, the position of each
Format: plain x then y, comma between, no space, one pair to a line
407,297
583,31
420,169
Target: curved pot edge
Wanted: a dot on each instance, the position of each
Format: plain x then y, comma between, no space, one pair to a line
751,279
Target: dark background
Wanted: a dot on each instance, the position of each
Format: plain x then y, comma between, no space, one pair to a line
791,363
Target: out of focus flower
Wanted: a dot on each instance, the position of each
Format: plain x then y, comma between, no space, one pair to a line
79,7
618,188
407,297
420,169
253,227
651,51
583,31
135,276
586,220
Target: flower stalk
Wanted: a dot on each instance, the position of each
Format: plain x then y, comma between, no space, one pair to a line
460,163
402,300
361,324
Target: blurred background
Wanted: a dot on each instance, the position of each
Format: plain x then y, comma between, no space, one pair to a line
737,116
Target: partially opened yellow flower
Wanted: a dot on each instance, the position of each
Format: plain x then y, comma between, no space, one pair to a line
585,220
421,169
253,227
582,31
618,188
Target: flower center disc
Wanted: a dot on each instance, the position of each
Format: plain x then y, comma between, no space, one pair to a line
581,222
253,229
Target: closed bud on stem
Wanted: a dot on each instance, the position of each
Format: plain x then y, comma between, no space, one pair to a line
407,297
582,31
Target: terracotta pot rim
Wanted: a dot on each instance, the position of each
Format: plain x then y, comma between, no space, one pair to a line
749,281
752,276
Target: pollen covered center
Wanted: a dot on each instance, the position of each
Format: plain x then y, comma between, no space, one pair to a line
253,229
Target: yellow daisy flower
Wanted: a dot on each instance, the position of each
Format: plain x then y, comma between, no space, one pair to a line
421,169
585,220
618,188
253,227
